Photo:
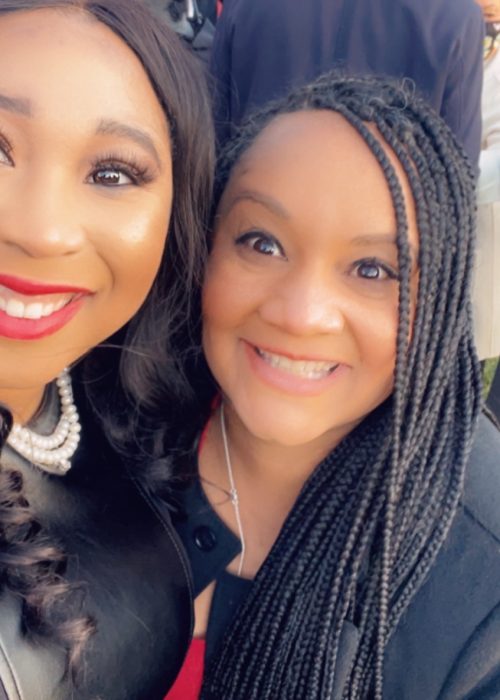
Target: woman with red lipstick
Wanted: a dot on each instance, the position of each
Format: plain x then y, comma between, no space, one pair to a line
341,512
105,179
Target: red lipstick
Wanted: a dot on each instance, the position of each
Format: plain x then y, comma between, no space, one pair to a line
32,288
34,328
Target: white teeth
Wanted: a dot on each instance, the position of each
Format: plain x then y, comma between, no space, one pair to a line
15,308
31,310
60,304
301,368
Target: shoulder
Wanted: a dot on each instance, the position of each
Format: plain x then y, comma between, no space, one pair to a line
454,618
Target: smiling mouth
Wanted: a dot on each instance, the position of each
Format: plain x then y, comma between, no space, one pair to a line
306,369
15,307
32,310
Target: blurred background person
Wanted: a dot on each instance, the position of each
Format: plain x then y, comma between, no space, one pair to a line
263,48
487,277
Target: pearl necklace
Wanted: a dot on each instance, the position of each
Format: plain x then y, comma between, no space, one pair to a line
52,453
233,492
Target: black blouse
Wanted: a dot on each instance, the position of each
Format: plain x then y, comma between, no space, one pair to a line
210,546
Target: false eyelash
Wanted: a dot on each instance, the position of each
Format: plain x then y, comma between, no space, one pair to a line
139,173
5,145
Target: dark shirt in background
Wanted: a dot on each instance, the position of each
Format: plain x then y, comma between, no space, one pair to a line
263,47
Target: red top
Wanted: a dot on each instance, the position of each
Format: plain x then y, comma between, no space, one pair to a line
188,683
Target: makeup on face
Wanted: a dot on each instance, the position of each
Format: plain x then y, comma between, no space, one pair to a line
31,310
85,190
300,305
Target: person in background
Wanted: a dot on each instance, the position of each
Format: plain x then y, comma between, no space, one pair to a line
340,507
261,49
106,158
487,275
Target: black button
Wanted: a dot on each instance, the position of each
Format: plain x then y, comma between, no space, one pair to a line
204,538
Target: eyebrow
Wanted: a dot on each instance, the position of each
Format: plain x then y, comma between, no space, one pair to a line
381,238
142,138
18,105
259,198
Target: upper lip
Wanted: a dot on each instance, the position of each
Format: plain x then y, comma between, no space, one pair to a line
35,288
298,357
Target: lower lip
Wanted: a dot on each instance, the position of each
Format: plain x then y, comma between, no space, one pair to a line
34,329
286,381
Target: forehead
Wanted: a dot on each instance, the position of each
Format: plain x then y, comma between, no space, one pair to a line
53,57
317,157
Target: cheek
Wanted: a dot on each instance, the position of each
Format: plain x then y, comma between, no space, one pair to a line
226,299
134,253
377,334
217,317
228,306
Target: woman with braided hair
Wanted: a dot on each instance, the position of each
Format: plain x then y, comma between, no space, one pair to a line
106,160
341,513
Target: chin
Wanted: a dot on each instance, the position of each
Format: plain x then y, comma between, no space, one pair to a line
285,428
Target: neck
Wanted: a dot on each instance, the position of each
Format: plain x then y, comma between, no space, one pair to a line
22,403
268,478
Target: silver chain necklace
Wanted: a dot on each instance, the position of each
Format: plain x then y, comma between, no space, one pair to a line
233,492
51,453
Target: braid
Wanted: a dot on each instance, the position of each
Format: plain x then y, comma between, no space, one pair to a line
371,519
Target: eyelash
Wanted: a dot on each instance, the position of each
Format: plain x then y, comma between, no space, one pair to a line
138,173
6,147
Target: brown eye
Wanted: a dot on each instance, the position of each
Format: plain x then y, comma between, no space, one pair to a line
370,271
111,177
374,270
261,243
265,247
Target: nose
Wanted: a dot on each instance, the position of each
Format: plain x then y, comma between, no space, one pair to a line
41,218
305,303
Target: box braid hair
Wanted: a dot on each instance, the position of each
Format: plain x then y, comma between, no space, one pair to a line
370,521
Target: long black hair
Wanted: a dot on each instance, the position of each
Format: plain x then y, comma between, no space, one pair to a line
370,521
138,373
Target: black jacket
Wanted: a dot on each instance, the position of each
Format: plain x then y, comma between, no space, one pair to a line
447,644
134,576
